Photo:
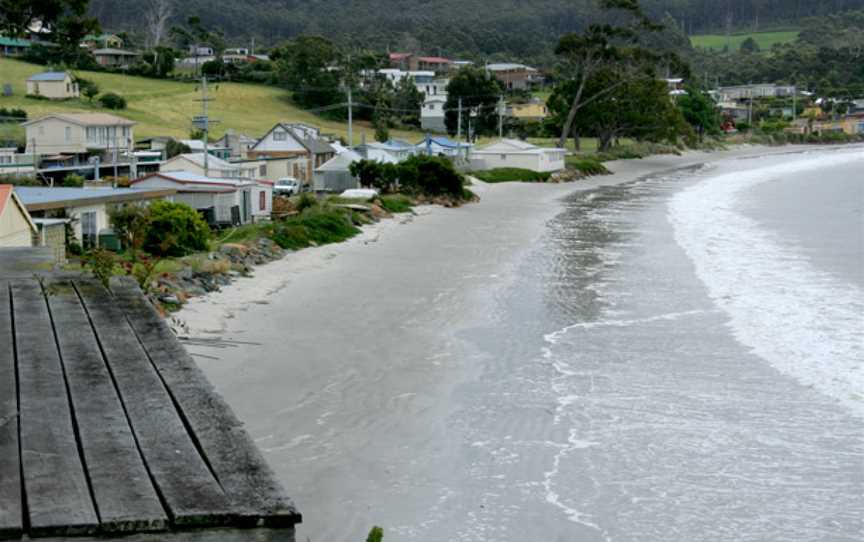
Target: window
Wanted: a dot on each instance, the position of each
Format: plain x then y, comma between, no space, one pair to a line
262,171
262,201
280,136
503,157
68,134
88,229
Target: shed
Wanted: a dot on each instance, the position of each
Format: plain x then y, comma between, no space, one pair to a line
334,175
53,85
512,153
223,202
16,227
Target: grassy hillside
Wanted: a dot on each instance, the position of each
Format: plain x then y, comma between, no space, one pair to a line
764,39
166,107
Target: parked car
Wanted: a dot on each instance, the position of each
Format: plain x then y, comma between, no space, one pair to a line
287,186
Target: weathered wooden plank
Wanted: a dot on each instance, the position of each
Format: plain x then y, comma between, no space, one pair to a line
244,474
193,496
11,512
125,498
56,491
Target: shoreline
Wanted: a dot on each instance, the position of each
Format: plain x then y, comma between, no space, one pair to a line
196,317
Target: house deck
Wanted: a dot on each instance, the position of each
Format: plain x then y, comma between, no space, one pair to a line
108,427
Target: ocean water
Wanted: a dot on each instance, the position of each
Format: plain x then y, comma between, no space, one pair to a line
680,358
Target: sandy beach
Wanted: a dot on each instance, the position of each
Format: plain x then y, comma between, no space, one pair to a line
355,366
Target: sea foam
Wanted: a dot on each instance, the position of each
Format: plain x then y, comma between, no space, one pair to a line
805,322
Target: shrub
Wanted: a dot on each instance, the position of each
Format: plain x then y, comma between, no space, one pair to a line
175,229
430,176
88,88
174,147
101,263
512,174
110,100
315,226
306,201
73,181
587,166
395,203
375,535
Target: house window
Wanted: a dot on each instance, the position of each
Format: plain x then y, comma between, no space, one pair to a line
503,157
280,136
88,229
68,134
262,201
262,171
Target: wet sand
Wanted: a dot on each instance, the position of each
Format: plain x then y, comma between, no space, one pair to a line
351,364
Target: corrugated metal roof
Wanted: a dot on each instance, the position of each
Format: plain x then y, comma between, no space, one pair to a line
48,76
42,196
86,119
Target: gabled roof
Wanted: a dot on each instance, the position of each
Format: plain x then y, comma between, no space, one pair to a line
41,198
442,141
317,146
193,179
49,76
8,198
114,52
197,158
85,119
514,146
340,162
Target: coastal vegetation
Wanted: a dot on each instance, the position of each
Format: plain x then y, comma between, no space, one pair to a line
506,175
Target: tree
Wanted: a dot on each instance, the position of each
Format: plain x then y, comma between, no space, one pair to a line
156,15
73,181
408,101
599,46
110,100
381,123
130,223
700,112
304,66
749,45
88,88
174,147
479,93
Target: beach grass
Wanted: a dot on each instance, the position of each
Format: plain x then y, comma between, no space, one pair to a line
396,203
766,40
166,107
512,174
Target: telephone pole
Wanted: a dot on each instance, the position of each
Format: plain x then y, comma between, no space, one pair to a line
459,122
350,118
202,122
501,117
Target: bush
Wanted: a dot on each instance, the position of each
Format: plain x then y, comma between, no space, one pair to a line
512,174
110,100
430,176
317,225
174,147
396,203
73,181
175,229
587,166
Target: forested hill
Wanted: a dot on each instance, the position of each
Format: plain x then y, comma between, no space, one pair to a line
502,28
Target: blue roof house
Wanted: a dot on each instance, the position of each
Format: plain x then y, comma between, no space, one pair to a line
53,85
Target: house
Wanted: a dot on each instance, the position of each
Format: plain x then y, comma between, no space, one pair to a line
432,114
399,150
215,167
238,145
437,64
222,202
13,46
402,61
747,92
534,110
512,153
292,141
86,208
53,85
157,143
273,169
79,134
443,146
12,163
16,227
115,58
514,76
335,175
102,41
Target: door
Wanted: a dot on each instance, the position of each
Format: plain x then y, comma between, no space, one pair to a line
88,230
246,207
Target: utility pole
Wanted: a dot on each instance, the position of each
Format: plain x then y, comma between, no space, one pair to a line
459,122
501,117
114,157
202,122
350,118
794,103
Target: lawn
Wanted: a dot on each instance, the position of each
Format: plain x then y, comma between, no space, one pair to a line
764,39
166,107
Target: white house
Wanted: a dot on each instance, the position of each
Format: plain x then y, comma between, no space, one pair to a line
334,175
16,227
79,133
512,153
294,141
432,114
221,201
53,85
216,167
444,146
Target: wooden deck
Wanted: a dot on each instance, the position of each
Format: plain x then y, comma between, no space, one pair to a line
108,427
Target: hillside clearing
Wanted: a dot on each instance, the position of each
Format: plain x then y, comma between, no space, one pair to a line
765,40
163,107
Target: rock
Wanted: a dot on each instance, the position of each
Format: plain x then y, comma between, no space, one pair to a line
170,299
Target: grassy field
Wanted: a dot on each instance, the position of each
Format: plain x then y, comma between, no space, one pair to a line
166,107
764,39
